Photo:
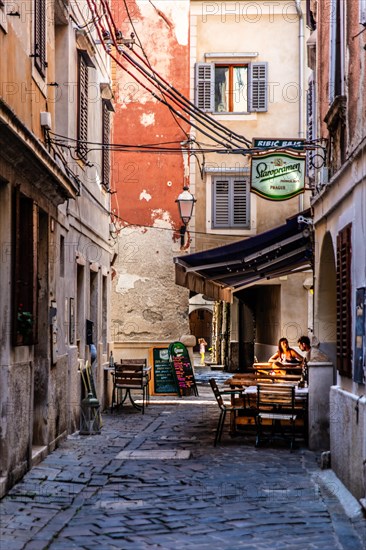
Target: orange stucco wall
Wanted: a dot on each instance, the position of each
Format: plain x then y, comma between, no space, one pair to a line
148,183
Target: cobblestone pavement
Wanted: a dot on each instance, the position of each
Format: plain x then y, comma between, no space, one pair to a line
87,495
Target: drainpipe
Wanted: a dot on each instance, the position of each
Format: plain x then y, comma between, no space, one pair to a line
301,79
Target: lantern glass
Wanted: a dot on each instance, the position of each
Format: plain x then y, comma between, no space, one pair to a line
185,204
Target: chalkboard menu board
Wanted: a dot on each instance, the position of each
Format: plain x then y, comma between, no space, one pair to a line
184,375
164,378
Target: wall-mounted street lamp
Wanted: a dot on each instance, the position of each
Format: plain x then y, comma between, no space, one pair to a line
185,204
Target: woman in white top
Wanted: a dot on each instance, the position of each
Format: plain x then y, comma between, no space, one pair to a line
285,354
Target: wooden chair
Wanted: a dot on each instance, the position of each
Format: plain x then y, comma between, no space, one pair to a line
238,405
147,373
276,412
129,376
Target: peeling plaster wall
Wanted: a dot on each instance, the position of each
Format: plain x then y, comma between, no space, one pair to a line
146,303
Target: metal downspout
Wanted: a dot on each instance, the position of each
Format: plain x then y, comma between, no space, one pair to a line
301,80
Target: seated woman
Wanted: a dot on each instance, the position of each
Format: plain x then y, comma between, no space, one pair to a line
285,354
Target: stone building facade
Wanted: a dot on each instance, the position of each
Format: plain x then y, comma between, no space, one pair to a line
336,55
54,224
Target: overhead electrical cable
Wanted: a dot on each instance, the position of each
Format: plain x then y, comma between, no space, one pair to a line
64,141
163,101
176,91
119,33
185,100
189,107
114,33
152,80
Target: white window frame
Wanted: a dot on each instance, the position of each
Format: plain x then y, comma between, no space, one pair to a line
252,202
3,19
257,83
333,46
363,12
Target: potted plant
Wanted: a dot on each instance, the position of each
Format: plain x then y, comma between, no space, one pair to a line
24,326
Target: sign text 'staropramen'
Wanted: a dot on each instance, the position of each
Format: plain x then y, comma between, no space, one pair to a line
278,176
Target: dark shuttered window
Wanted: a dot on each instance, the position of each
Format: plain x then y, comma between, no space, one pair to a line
106,157
25,237
82,129
230,201
39,45
344,343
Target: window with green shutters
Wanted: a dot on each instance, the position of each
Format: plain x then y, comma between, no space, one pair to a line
106,157
344,299
230,201
39,43
82,127
231,88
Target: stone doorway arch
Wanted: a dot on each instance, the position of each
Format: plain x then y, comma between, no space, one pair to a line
325,327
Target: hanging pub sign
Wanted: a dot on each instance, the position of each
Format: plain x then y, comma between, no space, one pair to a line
279,143
278,176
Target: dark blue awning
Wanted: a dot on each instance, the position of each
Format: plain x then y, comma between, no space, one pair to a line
220,271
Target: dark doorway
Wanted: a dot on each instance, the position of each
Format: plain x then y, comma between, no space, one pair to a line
200,324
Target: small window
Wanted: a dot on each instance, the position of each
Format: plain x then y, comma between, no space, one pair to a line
337,51
25,237
39,44
62,256
231,85
229,88
363,12
230,201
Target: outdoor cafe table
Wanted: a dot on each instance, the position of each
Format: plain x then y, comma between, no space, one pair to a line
127,391
241,381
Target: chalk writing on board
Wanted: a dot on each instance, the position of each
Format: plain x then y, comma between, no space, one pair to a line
184,375
164,379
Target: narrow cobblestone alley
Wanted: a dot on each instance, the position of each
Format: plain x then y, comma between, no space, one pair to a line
171,489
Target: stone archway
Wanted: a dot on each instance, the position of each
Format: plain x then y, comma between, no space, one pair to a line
326,300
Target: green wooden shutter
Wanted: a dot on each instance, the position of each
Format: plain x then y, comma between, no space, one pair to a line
258,87
311,126
205,86
40,36
106,129
344,329
83,107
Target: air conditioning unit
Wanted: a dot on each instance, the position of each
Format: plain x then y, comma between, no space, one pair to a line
46,120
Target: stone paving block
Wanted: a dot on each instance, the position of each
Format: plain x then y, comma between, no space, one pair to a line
232,496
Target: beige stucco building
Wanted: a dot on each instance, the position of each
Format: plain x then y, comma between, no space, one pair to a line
263,44
247,74
54,224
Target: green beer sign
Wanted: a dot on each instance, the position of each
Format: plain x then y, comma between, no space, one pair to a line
278,176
